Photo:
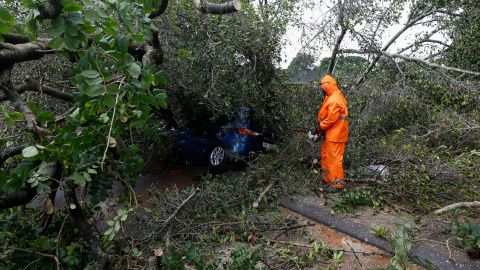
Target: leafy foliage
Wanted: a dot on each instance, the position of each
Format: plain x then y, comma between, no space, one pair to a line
350,199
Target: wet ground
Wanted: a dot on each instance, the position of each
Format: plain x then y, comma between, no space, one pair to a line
181,176
366,256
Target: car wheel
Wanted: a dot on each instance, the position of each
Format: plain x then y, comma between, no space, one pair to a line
217,157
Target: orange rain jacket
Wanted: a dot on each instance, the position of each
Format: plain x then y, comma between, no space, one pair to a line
332,119
333,115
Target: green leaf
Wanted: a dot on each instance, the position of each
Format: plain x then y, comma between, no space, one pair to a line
42,243
104,118
16,116
91,74
42,188
57,27
5,15
4,28
87,177
94,90
71,6
56,43
29,152
123,44
109,101
161,99
29,4
134,70
92,171
78,179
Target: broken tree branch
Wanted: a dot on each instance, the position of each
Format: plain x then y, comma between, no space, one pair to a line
16,53
265,191
408,24
162,226
10,152
32,85
29,116
9,199
433,65
212,8
55,258
413,59
475,204
15,38
161,9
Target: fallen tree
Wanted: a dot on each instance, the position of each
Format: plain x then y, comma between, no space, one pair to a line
116,83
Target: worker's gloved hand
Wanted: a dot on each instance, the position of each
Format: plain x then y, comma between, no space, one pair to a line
322,135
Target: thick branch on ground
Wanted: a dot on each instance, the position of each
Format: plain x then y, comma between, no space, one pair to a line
28,115
32,85
15,39
9,199
10,152
225,8
16,53
458,205
161,9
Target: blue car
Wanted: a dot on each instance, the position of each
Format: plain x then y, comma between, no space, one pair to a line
222,142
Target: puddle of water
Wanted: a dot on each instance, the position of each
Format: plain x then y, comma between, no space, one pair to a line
161,176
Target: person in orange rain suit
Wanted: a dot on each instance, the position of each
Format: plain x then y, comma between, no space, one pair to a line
332,120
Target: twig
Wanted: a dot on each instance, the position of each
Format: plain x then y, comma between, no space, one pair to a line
448,247
475,204
160,227
60,233
265,191
41,254
285,230
111,127
366,181
180,207
30,264
131,191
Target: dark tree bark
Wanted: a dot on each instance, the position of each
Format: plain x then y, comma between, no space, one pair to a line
33,86
333,58
52,11
212,8
16,53
10,152
160,10
9,199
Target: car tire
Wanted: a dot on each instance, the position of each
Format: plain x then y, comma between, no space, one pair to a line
217,158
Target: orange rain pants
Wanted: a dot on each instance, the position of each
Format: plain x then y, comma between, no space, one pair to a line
333,120
332,163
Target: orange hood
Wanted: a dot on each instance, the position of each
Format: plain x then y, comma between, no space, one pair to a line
329,84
